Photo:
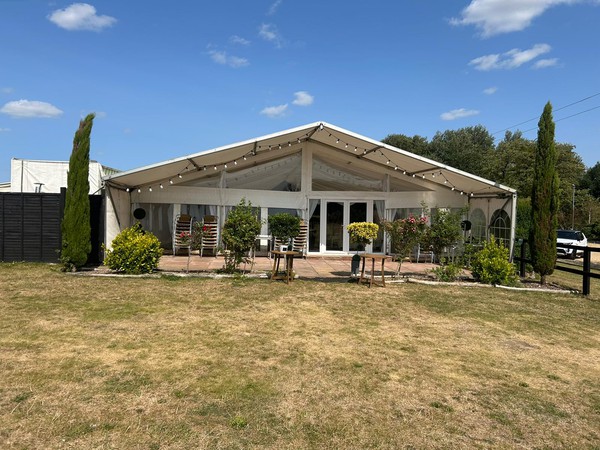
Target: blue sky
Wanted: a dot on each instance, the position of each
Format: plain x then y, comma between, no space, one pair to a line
168,79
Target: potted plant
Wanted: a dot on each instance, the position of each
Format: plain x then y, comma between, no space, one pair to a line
284,227
363,233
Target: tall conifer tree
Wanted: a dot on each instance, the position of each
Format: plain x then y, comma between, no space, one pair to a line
76,230
544,199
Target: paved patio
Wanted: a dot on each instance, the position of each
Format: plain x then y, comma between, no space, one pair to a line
313,267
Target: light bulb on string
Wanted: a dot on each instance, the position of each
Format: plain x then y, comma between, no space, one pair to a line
139,191
179,175
170,181
150,189
161,186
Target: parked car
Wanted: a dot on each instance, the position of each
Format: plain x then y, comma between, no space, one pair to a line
570,237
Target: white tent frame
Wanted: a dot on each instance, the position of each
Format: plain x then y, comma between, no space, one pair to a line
407,180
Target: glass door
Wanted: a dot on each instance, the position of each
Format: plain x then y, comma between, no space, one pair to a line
358,213
334,226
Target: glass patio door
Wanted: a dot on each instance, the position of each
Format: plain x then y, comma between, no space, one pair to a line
337,216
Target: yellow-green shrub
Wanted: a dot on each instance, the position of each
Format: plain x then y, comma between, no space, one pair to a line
134,251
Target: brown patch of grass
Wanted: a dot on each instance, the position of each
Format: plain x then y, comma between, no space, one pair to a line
192,363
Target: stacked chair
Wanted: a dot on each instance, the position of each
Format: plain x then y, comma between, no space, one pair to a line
182,233
210,239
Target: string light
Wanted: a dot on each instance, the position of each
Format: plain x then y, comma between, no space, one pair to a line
298,140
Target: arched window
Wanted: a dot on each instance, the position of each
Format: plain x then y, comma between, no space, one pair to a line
478,225
500,226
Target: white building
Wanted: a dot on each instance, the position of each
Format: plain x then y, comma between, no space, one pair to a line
28,175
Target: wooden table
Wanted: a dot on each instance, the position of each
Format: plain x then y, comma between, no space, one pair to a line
288,274
373,257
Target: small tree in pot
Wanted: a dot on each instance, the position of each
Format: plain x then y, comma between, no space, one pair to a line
362,233
284,227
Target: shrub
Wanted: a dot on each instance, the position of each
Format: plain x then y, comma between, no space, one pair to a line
134,251
239,234
491,264
445,230
405,234
447,272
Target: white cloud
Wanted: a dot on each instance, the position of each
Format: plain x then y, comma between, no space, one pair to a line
504,16
274,6
458,114
511,59
80,16
544,63
235,39
303,98
29,109
275,111
490,91
269,33
4,130
232,61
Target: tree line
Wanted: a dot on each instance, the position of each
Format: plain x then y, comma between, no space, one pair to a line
511,163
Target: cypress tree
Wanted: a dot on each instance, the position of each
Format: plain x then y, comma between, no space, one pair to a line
76,229
544,198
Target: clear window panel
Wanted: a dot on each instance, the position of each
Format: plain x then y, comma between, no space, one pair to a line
358,213
314,226
335,226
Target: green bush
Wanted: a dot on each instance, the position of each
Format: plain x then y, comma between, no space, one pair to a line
447,272
134,251
491,264
239,234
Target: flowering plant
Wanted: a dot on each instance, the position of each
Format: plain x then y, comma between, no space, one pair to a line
405,234
363,232
199,230
184,238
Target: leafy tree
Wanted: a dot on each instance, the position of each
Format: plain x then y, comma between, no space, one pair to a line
591,180
416,144
544,198
445,231
76,229
239,234
469,149
511,163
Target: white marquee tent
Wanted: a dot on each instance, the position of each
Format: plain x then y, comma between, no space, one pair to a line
327,175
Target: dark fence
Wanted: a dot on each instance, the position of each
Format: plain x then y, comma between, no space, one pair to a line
585,272
30,227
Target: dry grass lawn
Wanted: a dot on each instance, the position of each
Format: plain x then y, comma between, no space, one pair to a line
170,363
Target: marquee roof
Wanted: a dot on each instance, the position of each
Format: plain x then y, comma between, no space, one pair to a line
333,144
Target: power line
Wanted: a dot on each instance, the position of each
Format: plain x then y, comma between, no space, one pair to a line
558,109
568,117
